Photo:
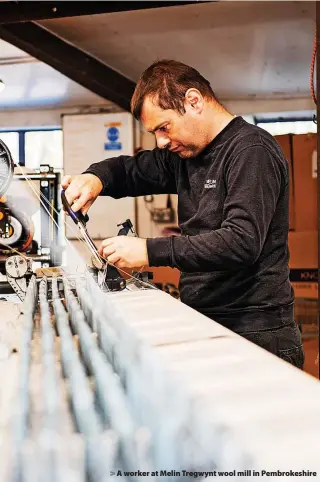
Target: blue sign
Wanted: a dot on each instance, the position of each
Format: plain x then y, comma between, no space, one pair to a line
113,143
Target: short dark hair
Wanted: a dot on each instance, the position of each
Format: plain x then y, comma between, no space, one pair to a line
168,81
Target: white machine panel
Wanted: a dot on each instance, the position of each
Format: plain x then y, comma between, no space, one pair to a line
249,412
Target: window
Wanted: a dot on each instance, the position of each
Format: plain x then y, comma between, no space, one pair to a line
43,147
34,147
291,127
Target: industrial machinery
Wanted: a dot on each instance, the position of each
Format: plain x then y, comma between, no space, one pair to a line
98,383
18,234
16,228
6,168
20,205
135,384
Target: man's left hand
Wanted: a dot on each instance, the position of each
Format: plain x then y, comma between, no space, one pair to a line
125,251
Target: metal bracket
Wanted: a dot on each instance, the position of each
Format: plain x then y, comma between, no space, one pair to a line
18,272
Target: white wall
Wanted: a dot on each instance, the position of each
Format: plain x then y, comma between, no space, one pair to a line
14,119
262,106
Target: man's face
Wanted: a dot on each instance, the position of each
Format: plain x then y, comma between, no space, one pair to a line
183,134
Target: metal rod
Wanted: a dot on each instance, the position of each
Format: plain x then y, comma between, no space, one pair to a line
50,378
22,407
81,395
110,394
82,400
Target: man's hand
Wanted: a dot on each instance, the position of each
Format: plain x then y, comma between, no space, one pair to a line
81,191
125,251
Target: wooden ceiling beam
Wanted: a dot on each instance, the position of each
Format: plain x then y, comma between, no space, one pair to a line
70,61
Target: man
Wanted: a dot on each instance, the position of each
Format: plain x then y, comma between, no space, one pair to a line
233,189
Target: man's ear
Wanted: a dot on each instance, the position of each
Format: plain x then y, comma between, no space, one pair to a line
194,102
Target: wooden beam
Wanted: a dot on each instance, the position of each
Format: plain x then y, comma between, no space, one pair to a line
70,61
22,11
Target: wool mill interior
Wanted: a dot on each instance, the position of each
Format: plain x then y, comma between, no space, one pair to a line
159,241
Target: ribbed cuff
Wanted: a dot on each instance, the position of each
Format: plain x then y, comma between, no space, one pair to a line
159,251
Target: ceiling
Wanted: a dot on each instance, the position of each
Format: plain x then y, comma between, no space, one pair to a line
247,50
33,84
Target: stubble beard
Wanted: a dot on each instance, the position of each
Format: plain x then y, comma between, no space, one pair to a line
189,152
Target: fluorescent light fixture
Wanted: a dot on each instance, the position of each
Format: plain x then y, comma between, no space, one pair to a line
2,85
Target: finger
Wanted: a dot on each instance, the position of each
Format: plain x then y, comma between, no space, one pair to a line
107,252
104,243
72,193
66,181
121,264
113,258
107,242
86,207
80,202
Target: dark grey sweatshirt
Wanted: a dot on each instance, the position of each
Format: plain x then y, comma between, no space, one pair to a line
233,203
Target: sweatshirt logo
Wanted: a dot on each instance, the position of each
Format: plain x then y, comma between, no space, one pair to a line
210,183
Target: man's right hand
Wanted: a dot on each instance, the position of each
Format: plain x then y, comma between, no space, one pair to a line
81,191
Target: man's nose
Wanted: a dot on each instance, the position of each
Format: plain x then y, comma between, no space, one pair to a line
162,142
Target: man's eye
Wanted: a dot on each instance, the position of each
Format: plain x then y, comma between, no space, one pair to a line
164,128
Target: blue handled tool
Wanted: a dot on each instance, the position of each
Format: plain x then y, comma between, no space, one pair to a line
109,276
81,220
75,216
